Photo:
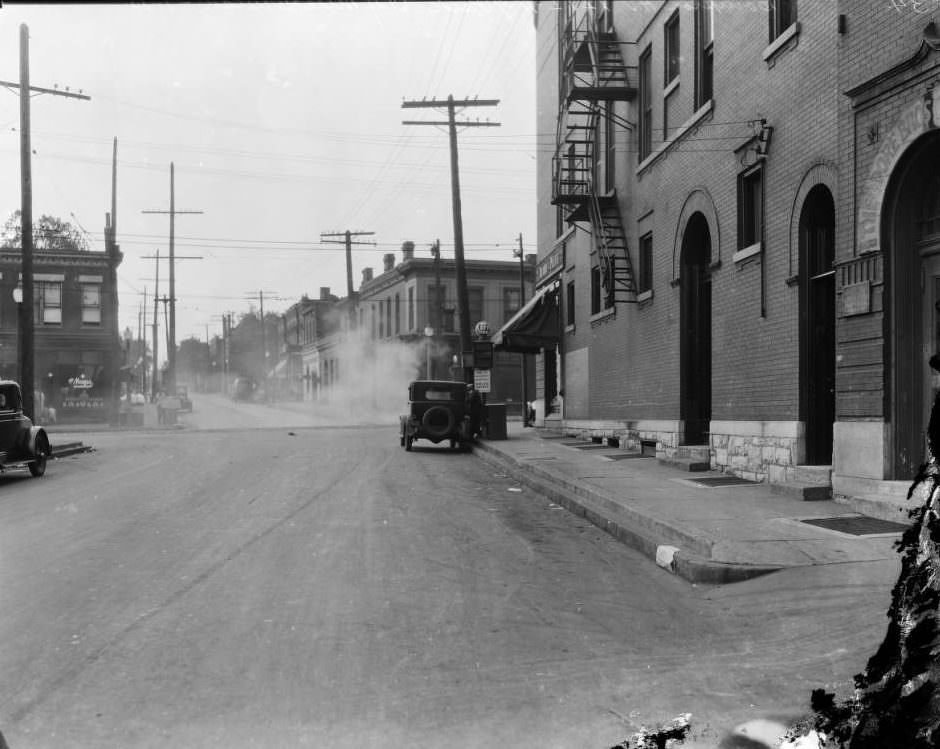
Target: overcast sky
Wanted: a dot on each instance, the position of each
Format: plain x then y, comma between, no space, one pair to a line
283,122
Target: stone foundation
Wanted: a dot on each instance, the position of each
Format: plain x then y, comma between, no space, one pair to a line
757,450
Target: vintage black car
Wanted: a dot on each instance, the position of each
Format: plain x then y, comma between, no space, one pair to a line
21,443
437,412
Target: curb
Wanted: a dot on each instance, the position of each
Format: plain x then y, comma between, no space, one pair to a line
690,566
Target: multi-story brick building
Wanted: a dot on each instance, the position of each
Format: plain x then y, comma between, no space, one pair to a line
686,226
415,302
77,348
887,241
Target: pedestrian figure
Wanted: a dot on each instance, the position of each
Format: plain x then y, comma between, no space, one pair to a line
475,407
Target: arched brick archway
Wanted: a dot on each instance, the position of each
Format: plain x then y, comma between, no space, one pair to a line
698,201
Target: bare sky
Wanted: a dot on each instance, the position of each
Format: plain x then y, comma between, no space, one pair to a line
284,121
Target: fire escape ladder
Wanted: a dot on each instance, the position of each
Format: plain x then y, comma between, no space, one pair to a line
617,275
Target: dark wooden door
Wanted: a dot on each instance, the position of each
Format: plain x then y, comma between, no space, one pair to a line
696,333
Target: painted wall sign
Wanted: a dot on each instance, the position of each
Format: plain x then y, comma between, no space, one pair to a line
856,299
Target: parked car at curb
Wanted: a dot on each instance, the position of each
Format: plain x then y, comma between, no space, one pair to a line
438,412
21,442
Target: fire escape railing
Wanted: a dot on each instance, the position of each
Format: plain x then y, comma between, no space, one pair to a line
593,71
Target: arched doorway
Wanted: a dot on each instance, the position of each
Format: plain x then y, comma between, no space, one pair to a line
817,324
695,320
911,224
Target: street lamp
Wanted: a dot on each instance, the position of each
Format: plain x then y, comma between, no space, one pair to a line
18,298
428,333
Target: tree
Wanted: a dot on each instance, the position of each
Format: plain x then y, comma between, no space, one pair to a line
50,234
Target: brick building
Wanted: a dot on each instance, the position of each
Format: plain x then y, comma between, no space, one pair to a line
419,296
887,241
77,348
686,226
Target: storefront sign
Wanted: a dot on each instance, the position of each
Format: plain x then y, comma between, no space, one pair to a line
550,265
81,383
481,380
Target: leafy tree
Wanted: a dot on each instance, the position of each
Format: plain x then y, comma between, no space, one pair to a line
50,234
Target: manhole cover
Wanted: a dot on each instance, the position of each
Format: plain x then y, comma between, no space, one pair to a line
713,481
627,456
857,526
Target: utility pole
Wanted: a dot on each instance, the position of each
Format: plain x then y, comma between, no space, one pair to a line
171,329
27,353
143,368
156,338
463,300
525,365
264,347
348,241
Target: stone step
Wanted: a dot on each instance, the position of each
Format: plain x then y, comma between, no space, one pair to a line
807,474
686,463
882,506
806,491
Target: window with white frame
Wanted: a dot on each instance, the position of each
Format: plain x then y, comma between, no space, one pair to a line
645,276
91,304
47,303
645,125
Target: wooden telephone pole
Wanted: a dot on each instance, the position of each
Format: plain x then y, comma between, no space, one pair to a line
348,241
463,299
26,353
171,328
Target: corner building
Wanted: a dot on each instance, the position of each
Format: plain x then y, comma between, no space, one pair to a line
687,224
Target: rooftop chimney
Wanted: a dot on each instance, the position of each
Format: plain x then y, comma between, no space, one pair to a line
366,275
324,293
407,251
388,261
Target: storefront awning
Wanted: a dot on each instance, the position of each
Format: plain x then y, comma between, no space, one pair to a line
534,327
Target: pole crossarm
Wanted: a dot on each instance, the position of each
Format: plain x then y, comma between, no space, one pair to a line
444,103
446,124
52,91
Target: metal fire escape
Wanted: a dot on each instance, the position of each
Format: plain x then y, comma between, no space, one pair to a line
593,74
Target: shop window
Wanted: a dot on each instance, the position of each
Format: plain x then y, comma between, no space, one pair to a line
91,304
645,275
750,207
782,15
704,51
645,129
411,308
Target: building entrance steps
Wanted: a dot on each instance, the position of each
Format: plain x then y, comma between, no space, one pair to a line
712,531
809,483
689,458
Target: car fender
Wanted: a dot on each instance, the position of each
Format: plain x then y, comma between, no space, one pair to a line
34,435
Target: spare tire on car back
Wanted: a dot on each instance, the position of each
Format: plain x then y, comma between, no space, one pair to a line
438,421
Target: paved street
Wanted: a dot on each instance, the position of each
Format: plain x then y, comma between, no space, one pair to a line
298,586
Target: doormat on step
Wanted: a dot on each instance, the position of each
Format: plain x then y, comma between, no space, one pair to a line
715,481
627,456
857,525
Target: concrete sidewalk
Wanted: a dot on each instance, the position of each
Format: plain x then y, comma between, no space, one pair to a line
704,533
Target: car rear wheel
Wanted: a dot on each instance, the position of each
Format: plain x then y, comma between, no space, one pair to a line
37,466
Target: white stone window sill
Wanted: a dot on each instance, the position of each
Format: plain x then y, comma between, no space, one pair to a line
748,252
644,296
569,328
672,86
793,30
700,114
603,314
